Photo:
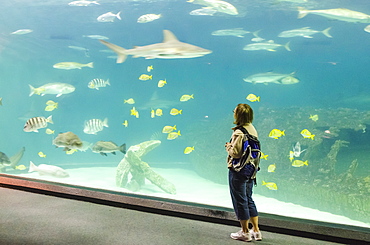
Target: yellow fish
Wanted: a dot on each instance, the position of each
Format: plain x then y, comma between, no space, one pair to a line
20,167
50,108
149,68
130,101
71,151
152,113
134,112
263,156
161,83
72,65
271,168
186,97
145,77
270,185
299,163
173,135
41,154
51,105
276,133
158,112
314,117
37,91
49,131
307,134
125,123
168,129
188,150
291,155
50,102
175,112
253,98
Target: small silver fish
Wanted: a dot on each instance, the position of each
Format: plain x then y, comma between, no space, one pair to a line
83,3
21,32
109,17
204,11
98,83
95,125
35,123
100,37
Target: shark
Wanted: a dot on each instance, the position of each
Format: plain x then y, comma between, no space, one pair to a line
170,48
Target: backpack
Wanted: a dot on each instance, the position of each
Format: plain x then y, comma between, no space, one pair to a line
249,162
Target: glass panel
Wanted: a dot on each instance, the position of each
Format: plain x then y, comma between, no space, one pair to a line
168,104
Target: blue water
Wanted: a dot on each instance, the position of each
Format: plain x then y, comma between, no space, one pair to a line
333,72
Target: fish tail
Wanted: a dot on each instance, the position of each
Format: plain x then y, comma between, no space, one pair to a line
122,148
107,82
180,111
117,49
118,15
178,132
306,162
32,90
32,167
263,182
312,136
151,77
105,122
283,132
174,127
50,119
91,65
286,46
256,33
326,32
302,12
258,98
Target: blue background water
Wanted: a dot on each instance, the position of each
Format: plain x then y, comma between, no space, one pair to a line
334,72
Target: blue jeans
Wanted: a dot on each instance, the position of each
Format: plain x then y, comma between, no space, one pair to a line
241,194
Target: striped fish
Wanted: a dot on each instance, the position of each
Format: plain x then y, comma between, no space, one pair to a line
98,83
95,125
35,123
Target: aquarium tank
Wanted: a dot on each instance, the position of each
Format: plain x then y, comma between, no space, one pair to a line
136,96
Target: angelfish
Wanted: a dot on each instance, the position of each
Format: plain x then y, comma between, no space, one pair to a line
297,150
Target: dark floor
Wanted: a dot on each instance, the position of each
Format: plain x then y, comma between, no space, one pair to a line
29,218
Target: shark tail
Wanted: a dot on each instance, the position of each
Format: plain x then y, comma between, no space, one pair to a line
91,65
302,12
117,49
326,32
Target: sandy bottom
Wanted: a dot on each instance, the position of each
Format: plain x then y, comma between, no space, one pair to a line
193,188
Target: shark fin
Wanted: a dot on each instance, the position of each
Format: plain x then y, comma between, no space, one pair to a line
168,36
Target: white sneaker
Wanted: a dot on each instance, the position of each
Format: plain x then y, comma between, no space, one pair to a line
242,236
256,235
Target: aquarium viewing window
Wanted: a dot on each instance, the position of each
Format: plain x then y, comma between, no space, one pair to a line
135,97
